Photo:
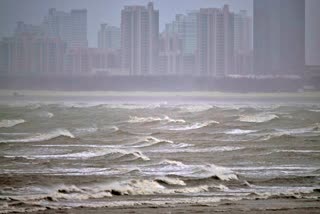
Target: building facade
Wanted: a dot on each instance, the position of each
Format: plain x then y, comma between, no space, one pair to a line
184,27
109,37
279,37
139,39
29,52
243,59
71,27
215,49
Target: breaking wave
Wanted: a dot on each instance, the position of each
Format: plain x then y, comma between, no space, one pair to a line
197,125
195,108
10,123
258,118
106,152
177,168
154,119
45,114
150,141
240,131
41,137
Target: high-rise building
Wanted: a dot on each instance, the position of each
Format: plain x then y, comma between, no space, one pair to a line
215,55
26,54
279,37
109,37
71,27
88,61
185,26
312,33
243,43
139,39
170,59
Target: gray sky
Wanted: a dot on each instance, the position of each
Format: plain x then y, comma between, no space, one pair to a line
99,11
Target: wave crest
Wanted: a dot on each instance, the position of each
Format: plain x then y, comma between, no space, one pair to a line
197,125
167,119
258,118
41,137
10,123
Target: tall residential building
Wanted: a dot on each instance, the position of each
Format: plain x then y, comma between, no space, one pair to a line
312,33
22,33
215,55
88,61
279,37
27,54
71,27
109,37
185,26
171,56
139,39
243,43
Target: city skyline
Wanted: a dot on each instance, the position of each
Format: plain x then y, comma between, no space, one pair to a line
212,41
108,12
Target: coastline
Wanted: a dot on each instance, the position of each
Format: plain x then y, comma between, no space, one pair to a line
56,93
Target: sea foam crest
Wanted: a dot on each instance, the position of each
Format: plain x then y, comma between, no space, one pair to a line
150,141
193,126
172,167
195,108
45,114
10,123
136,119
258,118
239,132
130,106
150,187
41,136
117,154
220,172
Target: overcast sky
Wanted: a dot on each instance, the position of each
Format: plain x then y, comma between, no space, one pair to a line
99,11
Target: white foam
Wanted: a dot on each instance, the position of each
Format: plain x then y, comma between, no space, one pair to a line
130,106
149,141
45,114
10,123
200,150
298,151
240,131
195,108
169,167
193,126
88,154
136,119
282,191
171,181
150,187
258,118
85,131
314,110
41,136
173,162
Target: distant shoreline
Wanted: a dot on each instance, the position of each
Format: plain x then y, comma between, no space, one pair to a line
205,95
158,84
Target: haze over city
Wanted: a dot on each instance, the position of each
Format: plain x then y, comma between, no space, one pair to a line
195,42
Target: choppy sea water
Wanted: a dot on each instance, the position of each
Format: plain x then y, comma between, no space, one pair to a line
61,155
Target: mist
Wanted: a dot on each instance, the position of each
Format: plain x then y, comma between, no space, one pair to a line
233,46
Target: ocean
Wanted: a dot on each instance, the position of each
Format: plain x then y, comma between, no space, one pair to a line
88,154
